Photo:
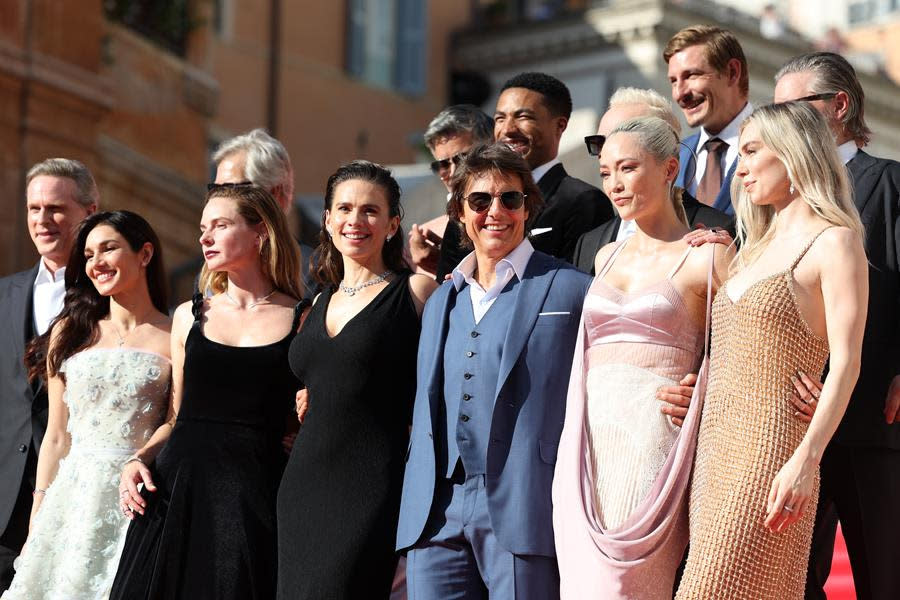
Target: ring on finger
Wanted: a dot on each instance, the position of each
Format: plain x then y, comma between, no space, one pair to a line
787,508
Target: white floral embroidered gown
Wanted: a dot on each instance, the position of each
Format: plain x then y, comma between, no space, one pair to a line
116,397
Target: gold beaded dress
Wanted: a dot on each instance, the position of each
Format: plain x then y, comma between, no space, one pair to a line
748,431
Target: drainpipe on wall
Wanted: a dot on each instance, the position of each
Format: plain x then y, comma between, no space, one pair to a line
274,67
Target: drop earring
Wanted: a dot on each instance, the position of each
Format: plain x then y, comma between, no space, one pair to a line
791,189
388,238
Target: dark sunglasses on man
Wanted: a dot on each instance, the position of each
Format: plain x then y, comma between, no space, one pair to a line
439,165
594,144
223,186
481,201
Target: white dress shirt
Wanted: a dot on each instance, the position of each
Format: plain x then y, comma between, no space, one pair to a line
511,265
729,134
847,151
48,294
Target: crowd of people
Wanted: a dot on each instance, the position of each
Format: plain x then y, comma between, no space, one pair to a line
672,387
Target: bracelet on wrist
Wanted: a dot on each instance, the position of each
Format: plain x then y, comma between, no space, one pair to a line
39,491
135,459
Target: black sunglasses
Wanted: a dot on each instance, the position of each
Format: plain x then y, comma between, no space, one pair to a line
481,201
439,165
813,97
594,144
221,186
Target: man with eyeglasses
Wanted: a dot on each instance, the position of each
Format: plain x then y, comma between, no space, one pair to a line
493,369
434,247
630,103
708,74
532,113
860,468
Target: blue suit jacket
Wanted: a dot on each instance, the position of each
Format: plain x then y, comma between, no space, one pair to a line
528,414
687,158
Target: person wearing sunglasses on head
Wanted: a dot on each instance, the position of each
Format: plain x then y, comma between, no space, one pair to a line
629,103
494,359
434,248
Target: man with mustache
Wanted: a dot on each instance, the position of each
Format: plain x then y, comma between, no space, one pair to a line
532,112
60,193
708,74
860,468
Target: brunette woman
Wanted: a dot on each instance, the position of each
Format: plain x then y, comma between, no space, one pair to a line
340,497
108,372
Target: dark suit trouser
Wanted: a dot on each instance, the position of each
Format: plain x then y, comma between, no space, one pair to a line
16,531
861,487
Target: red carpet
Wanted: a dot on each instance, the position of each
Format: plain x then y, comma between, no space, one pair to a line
840,583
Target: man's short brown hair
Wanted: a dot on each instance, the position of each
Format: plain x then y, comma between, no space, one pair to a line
721,46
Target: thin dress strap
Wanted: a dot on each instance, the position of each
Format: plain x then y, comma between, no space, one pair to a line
298,312
679,263
807,247
709,278
612,257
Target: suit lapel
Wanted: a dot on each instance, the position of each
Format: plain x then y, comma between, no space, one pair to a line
609,234
533,290
864,178
549,183
687,160
432,354
22,321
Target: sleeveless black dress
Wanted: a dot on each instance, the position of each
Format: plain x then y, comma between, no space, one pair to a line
339,499
209,530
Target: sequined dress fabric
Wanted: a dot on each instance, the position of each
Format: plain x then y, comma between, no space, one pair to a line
748,431
116,399
619,492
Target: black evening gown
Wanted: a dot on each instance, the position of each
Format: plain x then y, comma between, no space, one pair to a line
339,499
209,531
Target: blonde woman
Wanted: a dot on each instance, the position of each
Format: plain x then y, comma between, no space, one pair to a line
204,524
797,296
619,490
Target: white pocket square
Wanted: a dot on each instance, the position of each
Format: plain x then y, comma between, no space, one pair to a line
550,314
540,230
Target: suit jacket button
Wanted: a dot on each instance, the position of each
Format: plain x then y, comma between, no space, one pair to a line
468,376
23,448
470,354
474,334
466,397
464,418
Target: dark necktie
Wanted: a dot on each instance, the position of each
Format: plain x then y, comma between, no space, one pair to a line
711,182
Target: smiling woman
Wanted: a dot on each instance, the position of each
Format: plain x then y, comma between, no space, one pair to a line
108,378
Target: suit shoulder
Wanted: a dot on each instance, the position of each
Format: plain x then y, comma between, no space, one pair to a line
16,278
576,186
565,272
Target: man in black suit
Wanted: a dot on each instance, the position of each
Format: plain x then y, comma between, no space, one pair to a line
861,467
532,112
60,194
630,103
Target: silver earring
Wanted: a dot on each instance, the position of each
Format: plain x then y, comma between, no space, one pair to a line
389,237
791,189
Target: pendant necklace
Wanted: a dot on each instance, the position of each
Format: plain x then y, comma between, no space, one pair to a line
351,290
252,304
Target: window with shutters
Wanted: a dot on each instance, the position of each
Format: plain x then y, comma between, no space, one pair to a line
386,43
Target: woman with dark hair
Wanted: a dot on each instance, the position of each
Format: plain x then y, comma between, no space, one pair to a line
106,362
357,356
207,527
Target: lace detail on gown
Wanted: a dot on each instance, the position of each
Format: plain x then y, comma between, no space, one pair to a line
116,400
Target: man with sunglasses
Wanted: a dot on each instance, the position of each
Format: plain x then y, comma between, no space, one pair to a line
434,247
860,468
493,370
630,103
532,113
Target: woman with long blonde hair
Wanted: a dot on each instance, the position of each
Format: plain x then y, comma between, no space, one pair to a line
204,523
797,297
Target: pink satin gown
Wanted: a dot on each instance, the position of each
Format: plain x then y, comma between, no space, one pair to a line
619,491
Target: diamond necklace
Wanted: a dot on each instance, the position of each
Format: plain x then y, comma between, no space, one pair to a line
252,304
351,290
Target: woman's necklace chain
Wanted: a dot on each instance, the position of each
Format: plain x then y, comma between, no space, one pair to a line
351,290
252,304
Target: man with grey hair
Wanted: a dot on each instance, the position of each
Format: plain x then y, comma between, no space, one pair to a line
256,157
434,247
860,468
629,103
60,193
